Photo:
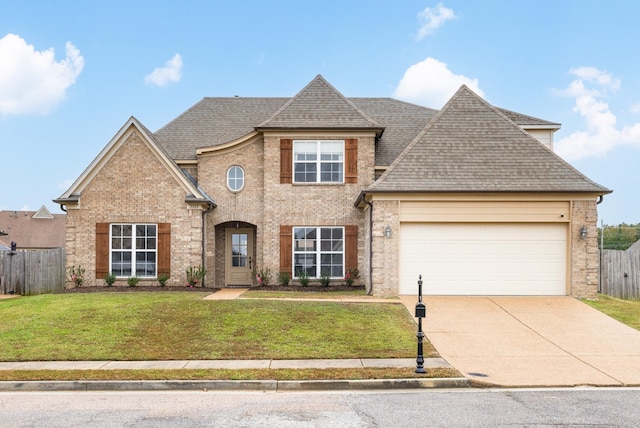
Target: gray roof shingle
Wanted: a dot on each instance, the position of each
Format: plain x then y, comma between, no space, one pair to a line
471,146
319,105
214,121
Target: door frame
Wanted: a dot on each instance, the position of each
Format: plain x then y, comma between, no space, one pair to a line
231,274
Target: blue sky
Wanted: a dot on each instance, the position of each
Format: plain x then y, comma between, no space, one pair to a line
73,72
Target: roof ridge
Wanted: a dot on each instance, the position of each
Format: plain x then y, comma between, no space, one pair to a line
304,90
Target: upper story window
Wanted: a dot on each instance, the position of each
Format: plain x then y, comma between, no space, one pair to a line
235,178
316,161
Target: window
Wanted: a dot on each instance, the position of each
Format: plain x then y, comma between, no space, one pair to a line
235,178
318,251
134,250
318,161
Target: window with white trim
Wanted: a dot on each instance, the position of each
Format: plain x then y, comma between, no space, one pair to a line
318,161
235,178
134,250
318,251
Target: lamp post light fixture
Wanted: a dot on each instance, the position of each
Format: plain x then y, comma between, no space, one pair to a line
583,232
421,312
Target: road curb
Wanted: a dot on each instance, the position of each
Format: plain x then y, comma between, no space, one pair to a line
233,385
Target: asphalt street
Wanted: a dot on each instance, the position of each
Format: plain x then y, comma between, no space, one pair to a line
576,407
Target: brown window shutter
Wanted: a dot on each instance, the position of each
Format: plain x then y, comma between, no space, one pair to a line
102,250
164,248
286,244
350,247
351,160
286,156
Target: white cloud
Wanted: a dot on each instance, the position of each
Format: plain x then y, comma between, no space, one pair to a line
602,133
171,72
432,19
431,83
33,81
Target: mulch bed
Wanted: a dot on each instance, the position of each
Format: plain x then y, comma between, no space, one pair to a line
136,289
310,288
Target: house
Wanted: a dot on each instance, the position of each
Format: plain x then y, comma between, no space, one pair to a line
32,230
471,197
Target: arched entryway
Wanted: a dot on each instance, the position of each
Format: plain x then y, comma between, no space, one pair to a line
235,254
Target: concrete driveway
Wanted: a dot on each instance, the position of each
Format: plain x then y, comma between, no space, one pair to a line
531,341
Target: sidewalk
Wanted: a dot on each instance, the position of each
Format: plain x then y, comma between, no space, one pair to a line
356,363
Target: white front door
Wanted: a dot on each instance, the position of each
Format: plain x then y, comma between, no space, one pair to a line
239,257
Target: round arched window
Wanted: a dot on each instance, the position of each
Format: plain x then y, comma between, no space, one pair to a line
235,178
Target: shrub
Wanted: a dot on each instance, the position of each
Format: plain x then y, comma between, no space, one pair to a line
351,275
195,275
163,278
109,279
303,277
76,273
263,276
284,278
133,281
325,279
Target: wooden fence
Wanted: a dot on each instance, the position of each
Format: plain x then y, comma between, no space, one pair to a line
620,274
32,272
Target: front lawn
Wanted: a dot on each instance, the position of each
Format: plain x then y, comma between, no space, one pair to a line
625,311
165,326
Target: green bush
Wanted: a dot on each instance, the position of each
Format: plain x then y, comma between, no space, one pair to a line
109,279
303,277
284,278
325,279
163,278
133,281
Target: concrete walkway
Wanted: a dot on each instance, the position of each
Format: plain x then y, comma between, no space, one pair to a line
355,363
531,341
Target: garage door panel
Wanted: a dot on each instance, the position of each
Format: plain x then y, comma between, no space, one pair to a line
483,259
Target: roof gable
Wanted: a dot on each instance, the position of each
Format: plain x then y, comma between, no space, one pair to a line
193,194
471,146
319,105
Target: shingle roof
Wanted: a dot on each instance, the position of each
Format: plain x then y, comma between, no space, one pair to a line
33,233
214,121
403,121
471,146
319,105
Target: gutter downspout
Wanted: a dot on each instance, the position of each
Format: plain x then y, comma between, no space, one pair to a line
370,292
204,239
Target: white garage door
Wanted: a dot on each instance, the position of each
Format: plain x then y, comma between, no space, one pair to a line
483,259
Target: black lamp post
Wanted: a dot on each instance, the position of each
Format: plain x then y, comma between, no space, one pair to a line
421,312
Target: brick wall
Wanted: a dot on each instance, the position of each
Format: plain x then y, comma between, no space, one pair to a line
584,252
385,272
266,203
134,187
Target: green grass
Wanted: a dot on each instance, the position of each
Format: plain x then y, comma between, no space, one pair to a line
625,311
162,325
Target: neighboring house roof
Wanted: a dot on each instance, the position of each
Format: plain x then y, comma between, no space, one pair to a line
319,106
33,229
471,146
193,193
635,246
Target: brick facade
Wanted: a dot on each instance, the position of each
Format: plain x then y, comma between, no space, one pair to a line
584,251
265,203
134,187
